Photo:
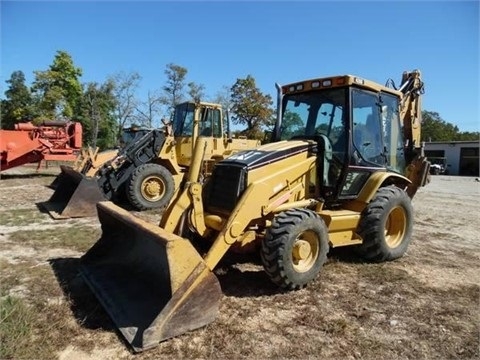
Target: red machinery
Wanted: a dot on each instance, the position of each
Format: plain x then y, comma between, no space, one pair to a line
52,140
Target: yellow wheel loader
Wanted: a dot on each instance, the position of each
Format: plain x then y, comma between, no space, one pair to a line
149,169
346,162
90,160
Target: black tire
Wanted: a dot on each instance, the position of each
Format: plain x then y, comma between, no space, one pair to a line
294,248
386,225
151,186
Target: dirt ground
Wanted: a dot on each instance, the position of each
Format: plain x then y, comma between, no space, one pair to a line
422,306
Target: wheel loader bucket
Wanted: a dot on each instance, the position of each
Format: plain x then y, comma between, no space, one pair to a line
75,195
58,179
53,185
153,284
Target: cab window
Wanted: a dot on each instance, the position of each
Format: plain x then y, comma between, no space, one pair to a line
392,133
210,123
367,127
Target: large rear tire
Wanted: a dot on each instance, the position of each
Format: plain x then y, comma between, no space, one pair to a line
294,248
386,225
151,186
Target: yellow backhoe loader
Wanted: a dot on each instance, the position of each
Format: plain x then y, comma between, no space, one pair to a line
345,165
149,169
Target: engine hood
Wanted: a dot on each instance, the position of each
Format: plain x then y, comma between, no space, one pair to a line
269,153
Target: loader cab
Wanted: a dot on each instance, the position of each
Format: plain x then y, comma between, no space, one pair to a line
208,118
355,124
192,120
131,134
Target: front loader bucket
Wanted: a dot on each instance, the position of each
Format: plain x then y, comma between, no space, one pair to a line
153,284
58,179
75,195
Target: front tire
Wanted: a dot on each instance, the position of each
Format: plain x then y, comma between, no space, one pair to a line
151,186
294,248
386,225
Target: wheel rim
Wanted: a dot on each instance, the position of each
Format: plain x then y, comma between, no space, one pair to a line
395,227
305,251
153,188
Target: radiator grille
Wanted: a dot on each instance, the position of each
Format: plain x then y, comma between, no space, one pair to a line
226,186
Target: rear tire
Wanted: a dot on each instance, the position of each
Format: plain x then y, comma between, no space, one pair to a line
386,225
294,248
151,186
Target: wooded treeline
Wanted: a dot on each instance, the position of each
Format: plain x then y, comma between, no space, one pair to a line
104,109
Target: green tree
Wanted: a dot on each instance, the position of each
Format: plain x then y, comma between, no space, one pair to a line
250,107
173,89
434,128
58,88
19,103
469,136
292,125
196,91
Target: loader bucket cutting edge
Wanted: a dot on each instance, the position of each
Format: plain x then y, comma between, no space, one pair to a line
75,195
153,284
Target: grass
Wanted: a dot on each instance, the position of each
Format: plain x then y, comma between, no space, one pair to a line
22,217
16,322
76,237
42,320
353,310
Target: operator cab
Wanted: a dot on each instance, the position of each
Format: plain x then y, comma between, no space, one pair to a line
132,134
209,119
355,124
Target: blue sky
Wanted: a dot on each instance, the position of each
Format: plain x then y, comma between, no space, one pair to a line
274,41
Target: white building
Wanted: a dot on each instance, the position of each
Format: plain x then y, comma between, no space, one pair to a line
458,157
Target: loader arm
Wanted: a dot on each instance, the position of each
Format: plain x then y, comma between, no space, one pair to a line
116,172
260,198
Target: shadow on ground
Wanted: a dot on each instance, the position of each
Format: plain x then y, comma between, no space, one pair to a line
26,176
86,309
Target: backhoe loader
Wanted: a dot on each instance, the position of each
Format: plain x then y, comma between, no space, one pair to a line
345,165
148,170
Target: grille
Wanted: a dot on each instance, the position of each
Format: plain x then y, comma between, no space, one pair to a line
226,186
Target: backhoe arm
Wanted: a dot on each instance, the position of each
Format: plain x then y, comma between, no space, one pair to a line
411,108
411,116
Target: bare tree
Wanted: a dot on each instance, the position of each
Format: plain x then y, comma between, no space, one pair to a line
125,85
150,110
93,109
223,97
